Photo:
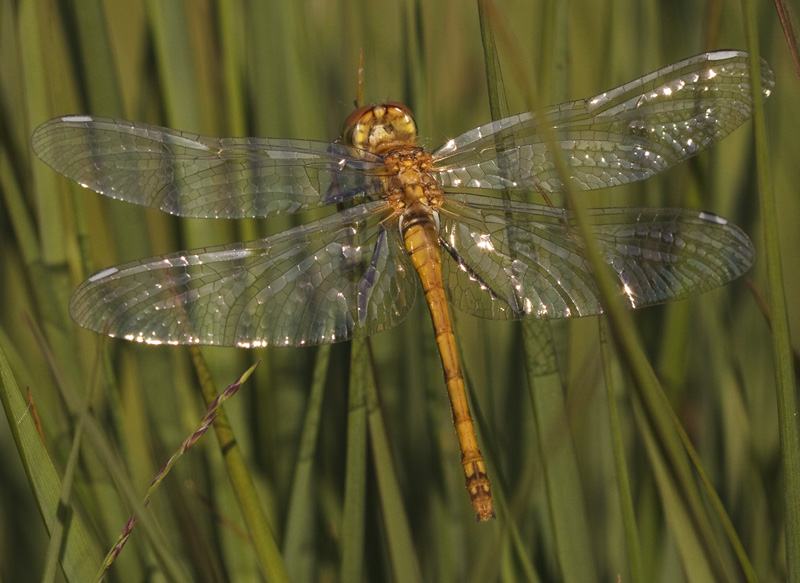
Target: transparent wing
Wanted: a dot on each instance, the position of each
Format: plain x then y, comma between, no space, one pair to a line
621,136
509,260
198,176
333,279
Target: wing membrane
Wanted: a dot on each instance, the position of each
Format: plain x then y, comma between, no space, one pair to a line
330,280
199,176
513,260
620,136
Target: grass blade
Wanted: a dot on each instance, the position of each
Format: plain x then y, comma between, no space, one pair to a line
785,379
398,532
356,468
261,535
79,552
299,536
562,479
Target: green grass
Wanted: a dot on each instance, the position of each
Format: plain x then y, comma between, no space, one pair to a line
340,463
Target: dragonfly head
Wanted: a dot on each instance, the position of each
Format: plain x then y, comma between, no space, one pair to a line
374,127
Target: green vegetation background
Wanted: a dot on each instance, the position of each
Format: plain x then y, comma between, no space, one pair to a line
354,483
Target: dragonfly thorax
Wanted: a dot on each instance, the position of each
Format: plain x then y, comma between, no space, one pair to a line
409,182
376,128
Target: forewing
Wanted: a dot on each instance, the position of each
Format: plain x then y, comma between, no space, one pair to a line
199,176
330,280
620,136
507,260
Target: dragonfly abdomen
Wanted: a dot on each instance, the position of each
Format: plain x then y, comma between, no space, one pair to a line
421,237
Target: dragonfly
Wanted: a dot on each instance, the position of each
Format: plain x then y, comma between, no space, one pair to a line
401,216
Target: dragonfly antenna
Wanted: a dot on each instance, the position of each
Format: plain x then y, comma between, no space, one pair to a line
360,91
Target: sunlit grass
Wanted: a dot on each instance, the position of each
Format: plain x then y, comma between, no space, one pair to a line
350,450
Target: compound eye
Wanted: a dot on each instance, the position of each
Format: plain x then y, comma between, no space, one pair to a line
356,127
402,121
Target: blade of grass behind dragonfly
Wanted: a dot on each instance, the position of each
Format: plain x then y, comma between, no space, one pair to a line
62,525
261,534
781,346
418,89
564,492
695,562
632,545
80,552
405,563
299,548
355,481
231,20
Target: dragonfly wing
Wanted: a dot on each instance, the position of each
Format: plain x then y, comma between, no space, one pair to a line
620,136
199,176
333,279
509,260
